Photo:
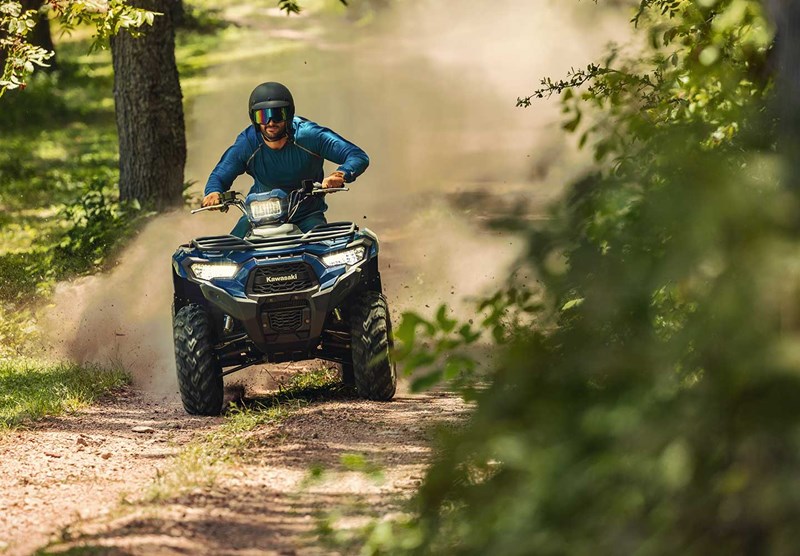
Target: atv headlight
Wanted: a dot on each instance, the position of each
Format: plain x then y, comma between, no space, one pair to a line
348,257
209,271
264,211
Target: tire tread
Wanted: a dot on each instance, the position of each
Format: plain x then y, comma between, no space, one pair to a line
374,371
199,375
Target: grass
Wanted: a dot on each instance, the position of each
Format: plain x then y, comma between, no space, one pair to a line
59,151
31,390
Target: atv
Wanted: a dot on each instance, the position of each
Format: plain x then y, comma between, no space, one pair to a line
278,295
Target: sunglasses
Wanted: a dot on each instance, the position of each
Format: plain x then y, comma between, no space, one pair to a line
277,115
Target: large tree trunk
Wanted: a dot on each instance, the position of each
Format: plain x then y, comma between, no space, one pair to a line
41,36
147,92
178,14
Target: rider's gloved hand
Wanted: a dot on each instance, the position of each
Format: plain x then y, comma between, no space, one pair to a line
333,181
212,199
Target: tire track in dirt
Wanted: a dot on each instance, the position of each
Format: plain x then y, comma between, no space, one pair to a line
264,503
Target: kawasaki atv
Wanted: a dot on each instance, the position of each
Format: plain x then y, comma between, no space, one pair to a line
279,295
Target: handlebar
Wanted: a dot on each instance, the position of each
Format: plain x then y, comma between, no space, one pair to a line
232,198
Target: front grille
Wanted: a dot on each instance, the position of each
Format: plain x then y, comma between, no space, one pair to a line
285,317
287,320
282,278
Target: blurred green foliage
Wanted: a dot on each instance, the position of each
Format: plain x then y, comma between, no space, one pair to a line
650,407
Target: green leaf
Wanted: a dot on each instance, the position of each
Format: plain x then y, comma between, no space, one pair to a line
456,365
571,304
413,361
445,324
468,334
573,124
407,330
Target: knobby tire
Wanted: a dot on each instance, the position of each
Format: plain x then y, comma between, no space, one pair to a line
199,373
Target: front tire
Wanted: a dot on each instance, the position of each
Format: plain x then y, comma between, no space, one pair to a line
371,338
199,373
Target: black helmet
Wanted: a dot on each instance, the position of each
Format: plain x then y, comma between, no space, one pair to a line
270,95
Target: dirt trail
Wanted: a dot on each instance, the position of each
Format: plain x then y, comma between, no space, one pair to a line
265,504
66,478
64,470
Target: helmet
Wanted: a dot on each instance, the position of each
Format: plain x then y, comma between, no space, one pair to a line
270,95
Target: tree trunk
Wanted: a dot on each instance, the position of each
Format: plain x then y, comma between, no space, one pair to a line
149,109
41,36
178,13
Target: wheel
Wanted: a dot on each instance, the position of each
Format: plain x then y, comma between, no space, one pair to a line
371,330
199,373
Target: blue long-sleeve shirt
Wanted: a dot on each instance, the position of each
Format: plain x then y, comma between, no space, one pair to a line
300,159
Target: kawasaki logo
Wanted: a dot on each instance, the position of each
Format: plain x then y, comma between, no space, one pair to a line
286,278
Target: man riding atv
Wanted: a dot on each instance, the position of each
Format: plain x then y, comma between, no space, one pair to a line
281,150
285,285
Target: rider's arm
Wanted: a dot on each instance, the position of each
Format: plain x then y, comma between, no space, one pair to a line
232,164
351,159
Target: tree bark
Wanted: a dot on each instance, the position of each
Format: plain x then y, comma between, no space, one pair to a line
178,13
149,110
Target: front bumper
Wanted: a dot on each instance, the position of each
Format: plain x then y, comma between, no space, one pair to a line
287,326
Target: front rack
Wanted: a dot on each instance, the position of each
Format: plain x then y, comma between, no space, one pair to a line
322,232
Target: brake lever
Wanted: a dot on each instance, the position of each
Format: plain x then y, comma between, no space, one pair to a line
326,190
221,208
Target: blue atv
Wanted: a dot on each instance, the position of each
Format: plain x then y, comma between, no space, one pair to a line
278,295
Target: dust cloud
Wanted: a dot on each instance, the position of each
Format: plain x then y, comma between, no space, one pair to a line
429,91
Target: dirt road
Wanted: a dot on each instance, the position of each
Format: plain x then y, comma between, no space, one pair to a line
84,480
64,470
